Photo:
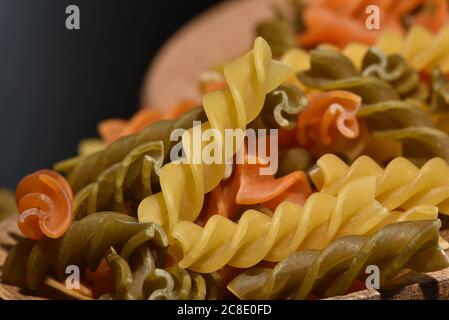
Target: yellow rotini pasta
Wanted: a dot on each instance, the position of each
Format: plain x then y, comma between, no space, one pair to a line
421,48
400,185
257,236
299,59
183,184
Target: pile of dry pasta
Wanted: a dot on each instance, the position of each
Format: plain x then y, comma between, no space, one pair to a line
362,175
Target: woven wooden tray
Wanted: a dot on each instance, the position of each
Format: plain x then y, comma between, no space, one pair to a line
214,37
413,286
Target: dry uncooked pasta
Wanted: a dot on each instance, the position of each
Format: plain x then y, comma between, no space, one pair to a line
342,163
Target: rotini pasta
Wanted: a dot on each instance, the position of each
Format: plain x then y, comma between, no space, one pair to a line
44,200
395,114
279,33
88,170
299,60
419,144
329,114
84,245
281,108
440,92
330,272
247,187
421,48
203,203
175,283
146,282
128,168
112,129
394,70
342,23
257,237
294,159
400,185
331,70
183,186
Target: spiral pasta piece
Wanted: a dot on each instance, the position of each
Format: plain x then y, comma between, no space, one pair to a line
326,24
131,173
139,279
401,185
256,236
128,181
112,129
91,167
421,48
175,283
395,70
299,60
419,143
44,200
395,114
328,114
247,187
440,92
279,33
332,70
330,272
183,185
281,108
340,23
85,244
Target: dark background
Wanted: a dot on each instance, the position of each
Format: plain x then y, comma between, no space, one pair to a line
57,84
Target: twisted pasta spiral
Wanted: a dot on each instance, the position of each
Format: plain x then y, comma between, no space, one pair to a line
126,171
183,185
395,70
44,200
411,244
421,48
332,70
256,236
85,244
400,185
175,283
142,281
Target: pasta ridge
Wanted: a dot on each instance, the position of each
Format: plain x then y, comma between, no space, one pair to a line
172,283
401,185
126,170
256,236
249,79
85,244
333,270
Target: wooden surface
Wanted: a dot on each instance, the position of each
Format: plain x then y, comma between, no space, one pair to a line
434,285
9,234
220,34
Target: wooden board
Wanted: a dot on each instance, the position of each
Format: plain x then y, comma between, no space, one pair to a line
220,34
434,285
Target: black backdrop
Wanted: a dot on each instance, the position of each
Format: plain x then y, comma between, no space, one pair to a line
57,84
